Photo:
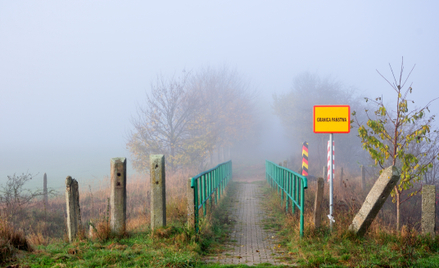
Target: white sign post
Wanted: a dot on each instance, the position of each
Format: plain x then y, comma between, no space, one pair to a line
331,119
331,179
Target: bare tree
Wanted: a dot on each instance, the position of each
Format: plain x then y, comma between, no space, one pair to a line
189,117
163,123
14,199
228,112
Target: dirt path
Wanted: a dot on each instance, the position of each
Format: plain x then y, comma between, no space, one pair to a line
249,243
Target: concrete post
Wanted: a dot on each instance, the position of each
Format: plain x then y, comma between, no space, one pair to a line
158,191
318,203
46,199
72,208
118,195
285,164
363,178
375,200
190,204
91,231
428,221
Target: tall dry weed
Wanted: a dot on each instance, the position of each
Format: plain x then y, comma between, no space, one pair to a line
11,240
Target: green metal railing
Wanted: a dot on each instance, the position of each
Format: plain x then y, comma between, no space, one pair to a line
291,186
209,185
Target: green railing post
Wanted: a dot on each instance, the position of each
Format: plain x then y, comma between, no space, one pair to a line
302,207
204,195
194,185
294,193
281,177
287,188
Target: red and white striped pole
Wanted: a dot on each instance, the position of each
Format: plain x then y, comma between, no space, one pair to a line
331,178
329,161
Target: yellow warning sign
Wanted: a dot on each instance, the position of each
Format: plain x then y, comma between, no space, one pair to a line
332,119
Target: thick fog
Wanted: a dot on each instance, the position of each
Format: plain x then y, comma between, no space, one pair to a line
72,74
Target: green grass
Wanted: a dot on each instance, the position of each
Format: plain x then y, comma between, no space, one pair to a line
340,248
143,249
176,245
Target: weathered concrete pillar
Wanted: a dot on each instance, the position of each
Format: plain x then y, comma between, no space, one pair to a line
91,230
158,191
72,207
190,203
318,203
363,178
45,197
118,195
428,221
375,200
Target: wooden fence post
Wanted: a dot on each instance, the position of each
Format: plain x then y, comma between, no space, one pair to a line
318,203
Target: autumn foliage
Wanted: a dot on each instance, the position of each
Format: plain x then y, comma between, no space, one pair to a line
190,117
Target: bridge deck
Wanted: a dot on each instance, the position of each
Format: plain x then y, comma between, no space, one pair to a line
249,243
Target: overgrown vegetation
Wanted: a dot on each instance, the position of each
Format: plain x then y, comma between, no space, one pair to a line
381,247
176,245
403,138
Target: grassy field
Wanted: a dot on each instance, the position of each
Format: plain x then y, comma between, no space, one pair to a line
39,240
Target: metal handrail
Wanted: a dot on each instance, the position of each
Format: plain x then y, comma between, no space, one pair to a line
209,184
290,184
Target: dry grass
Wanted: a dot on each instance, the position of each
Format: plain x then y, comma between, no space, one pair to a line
10,241
348,199
36,239
42,226
381,246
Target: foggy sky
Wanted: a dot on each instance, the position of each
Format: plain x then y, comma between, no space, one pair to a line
73,73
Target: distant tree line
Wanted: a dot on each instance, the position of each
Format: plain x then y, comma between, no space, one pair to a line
295,110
